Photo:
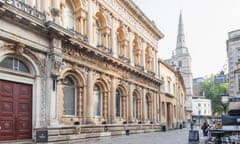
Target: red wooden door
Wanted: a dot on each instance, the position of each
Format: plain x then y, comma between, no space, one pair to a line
15,111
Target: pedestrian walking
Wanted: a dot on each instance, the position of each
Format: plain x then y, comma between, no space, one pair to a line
204,127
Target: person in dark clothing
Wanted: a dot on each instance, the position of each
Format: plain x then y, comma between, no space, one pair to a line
191,125
204,128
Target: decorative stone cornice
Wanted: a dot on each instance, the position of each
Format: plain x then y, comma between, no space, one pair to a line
104,63
141,16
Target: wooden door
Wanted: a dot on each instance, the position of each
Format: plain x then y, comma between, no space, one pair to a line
15,111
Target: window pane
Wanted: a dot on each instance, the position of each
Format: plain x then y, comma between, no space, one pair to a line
15,65
118,100
98,34
23,67
147,107
97,100
134,106
7,63
69,97
69,100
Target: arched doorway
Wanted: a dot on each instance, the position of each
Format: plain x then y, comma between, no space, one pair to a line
15,99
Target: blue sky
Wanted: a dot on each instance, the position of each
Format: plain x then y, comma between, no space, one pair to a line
206,26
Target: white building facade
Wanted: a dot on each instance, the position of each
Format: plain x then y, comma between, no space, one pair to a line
201,109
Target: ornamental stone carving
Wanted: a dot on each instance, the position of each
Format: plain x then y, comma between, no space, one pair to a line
96,75
20,48
56,65
39,59
84,71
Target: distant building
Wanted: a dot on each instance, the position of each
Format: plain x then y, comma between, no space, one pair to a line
173,96
182,62
233,53
202,109
197,86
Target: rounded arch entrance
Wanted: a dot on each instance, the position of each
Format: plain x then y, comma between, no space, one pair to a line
18,93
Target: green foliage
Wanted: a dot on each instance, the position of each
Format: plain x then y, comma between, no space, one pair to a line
214,91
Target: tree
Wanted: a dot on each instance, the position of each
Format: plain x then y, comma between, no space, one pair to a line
214,92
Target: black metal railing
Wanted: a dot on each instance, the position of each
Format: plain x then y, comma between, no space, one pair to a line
27,9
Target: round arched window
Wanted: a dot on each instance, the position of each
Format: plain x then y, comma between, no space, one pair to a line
14,64
69,98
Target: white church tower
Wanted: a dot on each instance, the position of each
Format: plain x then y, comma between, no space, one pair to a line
182,61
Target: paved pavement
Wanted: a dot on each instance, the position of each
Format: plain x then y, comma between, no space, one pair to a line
178,136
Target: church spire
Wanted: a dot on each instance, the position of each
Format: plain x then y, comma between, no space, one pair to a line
181,46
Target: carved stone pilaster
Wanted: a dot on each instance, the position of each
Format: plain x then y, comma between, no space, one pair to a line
56,56
56,65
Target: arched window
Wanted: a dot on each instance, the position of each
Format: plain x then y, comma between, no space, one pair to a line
118,103
147,108
14,64
68,15
69,98
97,92
134,105
98,38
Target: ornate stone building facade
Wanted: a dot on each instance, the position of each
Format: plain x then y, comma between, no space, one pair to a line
173,97
74,66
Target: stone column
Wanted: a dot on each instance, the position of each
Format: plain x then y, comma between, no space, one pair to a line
85,104
131,37
156,62
90,23
90,99
56,6
143,57
144,107
114,39
53,104
154,112
105,106
60,100
130,106
112,107
81,25
124,107
80,103
38,100
160,107
45,5
38,5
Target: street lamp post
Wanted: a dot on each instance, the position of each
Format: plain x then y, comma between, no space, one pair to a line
225,100
199,118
